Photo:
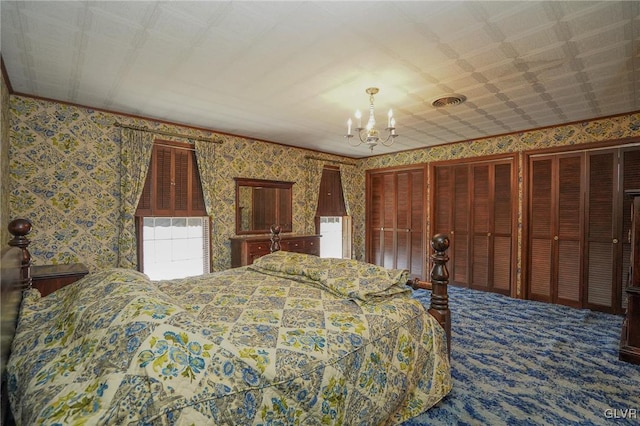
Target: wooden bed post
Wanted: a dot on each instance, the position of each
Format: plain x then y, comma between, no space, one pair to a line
20,228
439,281
439,307
275,238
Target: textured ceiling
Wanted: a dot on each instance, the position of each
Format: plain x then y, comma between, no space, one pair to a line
294,72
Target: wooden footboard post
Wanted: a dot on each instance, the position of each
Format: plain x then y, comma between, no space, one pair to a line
440,280
275,238
19,228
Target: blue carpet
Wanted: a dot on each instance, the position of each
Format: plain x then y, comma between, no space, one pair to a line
517,362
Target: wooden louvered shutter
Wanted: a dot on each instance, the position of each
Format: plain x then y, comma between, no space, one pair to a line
540,228
568,230
162,183
181,182
330,196
172,187
502,228
460,233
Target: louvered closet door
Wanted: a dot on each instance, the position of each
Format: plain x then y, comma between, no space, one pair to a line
555,220
376,212
601,233
541,229
610,173
460,232
568,230
473,203
382,245
442,200
492,231
481,236
409,232
503,207
630,180
396,216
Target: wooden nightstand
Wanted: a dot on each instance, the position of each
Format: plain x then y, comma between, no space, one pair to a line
49,278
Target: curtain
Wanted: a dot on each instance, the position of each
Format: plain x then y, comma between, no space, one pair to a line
346,178
206,157
135,155
314,177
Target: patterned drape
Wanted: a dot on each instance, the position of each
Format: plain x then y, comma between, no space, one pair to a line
135,155
314,177
346,178
206,158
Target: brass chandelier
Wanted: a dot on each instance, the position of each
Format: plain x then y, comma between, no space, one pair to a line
370,135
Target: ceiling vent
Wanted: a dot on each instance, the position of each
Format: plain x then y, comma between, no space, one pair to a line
449,101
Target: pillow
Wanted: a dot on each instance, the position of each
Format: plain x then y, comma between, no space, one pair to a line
345,278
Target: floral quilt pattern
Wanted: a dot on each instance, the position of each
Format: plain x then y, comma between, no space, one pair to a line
291,340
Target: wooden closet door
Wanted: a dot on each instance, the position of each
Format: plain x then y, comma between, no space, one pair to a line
376,211
503,228
601,233
610,173
541,228
416,256
568,230
443,200
555,225
492,209
395,203
460,232
473,203
630,158
481,222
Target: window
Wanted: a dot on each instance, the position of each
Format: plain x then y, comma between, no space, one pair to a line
331,216
175,247
172,222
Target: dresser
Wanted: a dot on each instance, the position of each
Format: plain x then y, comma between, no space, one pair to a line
630,338
244,250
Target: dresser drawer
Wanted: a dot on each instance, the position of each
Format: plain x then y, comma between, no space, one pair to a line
256,250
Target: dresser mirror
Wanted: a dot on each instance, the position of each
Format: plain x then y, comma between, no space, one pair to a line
262,203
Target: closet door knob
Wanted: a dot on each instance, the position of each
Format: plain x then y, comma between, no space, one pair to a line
555,238
615,241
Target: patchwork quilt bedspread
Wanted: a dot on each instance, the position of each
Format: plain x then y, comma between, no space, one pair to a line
291,340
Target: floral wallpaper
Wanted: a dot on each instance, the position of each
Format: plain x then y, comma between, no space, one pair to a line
64,174
625,126
65,178
4,161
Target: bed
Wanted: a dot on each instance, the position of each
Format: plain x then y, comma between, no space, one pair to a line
291,339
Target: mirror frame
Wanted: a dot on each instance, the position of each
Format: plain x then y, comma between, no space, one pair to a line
285,223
